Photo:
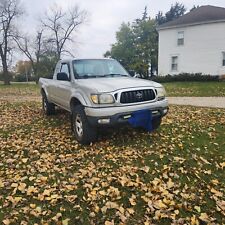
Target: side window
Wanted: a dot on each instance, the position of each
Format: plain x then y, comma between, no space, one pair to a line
65,69
223,62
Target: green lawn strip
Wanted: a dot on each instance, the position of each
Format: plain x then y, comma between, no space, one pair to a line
195,89
182,89
20,89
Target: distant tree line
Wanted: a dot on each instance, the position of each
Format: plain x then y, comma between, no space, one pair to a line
43,49
136,44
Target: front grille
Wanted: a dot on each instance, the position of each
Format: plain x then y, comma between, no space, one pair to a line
137,96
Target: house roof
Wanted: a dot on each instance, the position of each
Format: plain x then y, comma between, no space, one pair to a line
203,14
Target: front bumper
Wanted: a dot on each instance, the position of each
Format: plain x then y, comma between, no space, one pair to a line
112,116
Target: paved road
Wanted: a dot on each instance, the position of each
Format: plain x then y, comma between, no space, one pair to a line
212,102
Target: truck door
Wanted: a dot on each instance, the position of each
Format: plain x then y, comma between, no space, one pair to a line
64,88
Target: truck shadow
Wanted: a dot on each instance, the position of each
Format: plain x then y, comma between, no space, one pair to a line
121,134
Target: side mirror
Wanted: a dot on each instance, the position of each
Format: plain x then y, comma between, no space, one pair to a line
62,76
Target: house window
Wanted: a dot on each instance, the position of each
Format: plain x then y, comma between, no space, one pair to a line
180,38
174,63
223,63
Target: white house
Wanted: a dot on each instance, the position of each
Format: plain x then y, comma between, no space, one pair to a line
193,43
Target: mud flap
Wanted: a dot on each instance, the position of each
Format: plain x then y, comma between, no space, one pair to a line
142,118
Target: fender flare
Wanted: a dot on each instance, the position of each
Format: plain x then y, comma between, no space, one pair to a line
77,98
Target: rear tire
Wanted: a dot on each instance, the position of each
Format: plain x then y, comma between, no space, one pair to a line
48,108
156,123
83,131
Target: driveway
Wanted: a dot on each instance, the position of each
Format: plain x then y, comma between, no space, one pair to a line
212,102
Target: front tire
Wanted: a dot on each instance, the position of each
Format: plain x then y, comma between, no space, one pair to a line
156,123
83,131
48,108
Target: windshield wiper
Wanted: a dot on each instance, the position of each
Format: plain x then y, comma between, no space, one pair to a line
103,75
87,76
116,74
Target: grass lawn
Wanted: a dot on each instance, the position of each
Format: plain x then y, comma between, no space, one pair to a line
174,175
196,89
19,89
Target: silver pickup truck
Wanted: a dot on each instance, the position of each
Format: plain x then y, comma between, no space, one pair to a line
100,92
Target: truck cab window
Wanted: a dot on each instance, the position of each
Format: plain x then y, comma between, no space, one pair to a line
65,69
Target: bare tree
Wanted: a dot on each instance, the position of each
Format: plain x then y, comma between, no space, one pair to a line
10,10
61,25
32,50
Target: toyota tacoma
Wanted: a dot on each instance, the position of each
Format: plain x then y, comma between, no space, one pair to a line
99,93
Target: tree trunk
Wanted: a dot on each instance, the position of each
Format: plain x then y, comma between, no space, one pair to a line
6,75
35,70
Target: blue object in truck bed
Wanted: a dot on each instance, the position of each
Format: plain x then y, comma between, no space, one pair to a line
142,118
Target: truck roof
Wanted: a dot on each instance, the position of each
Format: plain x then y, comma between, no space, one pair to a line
72,59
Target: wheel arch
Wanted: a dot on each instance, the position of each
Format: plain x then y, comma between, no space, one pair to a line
77,99
43,91
74,102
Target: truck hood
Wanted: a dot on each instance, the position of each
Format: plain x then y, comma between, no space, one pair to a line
116,83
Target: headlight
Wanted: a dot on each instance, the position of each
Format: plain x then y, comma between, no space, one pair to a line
102,99
161,93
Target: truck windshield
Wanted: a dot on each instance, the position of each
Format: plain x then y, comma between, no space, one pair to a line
95,68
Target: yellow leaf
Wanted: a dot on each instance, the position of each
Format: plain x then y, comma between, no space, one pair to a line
14,185
130,210
179,159
18,199
65,222
121,209
112,205
46,192
170,184
38,209
221,205
204,217
159,205
33,206
43,179
6,221
194,220
96,209
222,164
31,189
31,178
109,223
217,193
24,160
145,169
204,160
215,181
156,181
197,208
22,187
132,200
103,193
92,214
1,184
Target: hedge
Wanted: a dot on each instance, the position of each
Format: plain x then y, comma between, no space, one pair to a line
185,77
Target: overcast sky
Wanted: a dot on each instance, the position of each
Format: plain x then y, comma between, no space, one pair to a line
105,18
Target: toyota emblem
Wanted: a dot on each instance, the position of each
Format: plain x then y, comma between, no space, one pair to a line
139,95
